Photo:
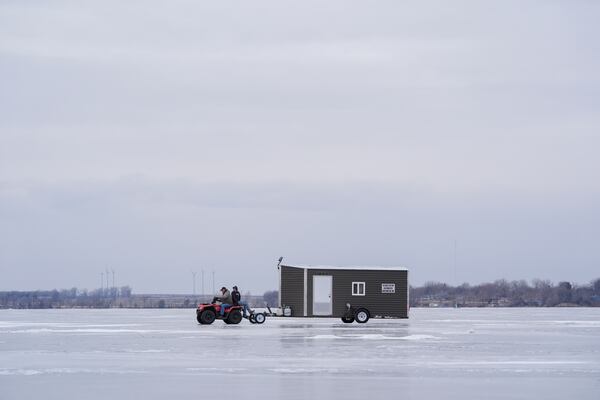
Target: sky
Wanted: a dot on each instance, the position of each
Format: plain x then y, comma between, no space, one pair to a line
159,138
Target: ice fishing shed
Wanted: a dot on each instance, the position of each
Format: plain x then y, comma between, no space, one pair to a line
325,291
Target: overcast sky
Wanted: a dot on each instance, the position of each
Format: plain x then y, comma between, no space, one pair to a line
156,138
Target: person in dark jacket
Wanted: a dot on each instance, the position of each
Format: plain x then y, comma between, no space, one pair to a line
237,300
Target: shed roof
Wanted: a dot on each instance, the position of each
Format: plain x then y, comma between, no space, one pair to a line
349,267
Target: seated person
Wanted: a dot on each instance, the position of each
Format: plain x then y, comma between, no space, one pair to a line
237,300
225,299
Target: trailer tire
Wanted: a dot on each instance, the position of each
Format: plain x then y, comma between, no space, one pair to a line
347,320
251,319
362,315
260,318
207,317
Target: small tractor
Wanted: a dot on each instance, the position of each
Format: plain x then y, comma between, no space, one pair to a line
207,313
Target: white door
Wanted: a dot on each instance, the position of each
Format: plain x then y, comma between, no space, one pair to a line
322,287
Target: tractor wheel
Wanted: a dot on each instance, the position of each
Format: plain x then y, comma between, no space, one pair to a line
235,317
259,318
362,315
207,317
348,320
251,319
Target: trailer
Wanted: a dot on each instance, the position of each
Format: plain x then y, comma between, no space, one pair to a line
350,293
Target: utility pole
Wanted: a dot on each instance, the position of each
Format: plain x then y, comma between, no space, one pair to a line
114,290
106,278
194,276
202,282
102,281
214,291
455,277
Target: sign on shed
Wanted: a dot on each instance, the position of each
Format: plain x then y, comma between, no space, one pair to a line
388,288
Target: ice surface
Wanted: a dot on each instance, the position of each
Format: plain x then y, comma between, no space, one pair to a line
164,354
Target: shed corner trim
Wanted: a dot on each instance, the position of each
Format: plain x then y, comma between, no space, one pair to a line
305,292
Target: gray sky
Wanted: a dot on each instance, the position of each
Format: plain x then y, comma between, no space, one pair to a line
160,137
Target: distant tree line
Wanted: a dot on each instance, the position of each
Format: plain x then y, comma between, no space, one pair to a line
271,298
65,298
502,293
121,297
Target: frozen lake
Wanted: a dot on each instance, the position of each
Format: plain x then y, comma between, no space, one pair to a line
165,354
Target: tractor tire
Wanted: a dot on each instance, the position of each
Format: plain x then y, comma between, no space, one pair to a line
207,317
251,319
347,320
362,315
234,317
260,318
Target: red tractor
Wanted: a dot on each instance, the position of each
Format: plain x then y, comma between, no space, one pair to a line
207,313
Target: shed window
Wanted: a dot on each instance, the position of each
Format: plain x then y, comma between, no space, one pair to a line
358,288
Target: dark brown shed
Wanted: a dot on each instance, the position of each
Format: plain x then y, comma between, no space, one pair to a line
324,291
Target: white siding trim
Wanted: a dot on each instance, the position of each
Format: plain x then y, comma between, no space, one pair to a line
351,267
305,292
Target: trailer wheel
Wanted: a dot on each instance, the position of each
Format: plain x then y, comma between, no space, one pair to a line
362,315
235,317
260,318
347,320
207,317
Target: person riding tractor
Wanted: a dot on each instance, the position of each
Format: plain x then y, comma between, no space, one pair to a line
221,307
225,299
